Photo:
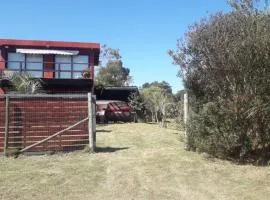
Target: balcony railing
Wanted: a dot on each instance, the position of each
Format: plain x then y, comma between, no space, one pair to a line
46,69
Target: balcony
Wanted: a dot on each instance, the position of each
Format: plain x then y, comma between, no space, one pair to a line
46,70
54,76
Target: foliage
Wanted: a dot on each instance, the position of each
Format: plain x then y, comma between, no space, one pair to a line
112,72
224,62
25,83
179,95
163,85
86,73
136,102
156,101
211,131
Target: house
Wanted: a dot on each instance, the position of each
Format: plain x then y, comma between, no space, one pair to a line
62,67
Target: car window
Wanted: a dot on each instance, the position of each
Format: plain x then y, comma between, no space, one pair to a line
102,106
119,104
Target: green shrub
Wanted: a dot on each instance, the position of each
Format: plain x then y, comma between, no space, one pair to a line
224,61
223,133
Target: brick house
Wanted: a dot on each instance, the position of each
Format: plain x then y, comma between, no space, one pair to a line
60,65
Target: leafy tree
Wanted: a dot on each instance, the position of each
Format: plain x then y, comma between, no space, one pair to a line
136,102
156,101
179,95
163,85
112,72
224,61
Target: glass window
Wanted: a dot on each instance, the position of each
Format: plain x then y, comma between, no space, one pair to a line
34,65
65,68
15,61
62,66
80,63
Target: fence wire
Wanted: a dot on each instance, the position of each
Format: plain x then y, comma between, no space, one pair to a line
174,116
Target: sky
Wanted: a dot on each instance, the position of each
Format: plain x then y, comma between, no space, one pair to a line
143,30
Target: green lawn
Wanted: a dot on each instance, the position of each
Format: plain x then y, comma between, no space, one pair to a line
135,161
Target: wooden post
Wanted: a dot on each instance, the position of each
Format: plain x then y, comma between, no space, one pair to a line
185,109
6,126
90,123
94,120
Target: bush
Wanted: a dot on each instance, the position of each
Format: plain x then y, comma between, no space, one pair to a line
224,62
230,135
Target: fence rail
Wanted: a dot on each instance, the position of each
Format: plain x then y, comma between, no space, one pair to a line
46,122
68,96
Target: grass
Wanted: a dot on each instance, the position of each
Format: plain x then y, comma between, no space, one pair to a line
135,161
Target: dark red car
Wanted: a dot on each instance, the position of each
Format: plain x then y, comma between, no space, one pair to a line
113,110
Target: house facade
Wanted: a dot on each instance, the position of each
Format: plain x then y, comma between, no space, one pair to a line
62,67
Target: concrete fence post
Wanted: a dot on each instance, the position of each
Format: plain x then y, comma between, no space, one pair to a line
90,123
185,109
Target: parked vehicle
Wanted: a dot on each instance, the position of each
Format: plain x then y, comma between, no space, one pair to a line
113,110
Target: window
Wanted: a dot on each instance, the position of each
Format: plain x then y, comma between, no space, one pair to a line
70,66
80,63
34,65
62,66
16,61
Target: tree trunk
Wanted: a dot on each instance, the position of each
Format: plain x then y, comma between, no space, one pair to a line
153,116
164,125
157,117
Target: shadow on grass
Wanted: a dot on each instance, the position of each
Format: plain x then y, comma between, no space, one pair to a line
151,123
109,149
103,131
168,122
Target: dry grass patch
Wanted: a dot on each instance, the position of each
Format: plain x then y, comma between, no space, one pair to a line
135,161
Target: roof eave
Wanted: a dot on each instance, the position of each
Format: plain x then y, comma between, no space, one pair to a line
38,43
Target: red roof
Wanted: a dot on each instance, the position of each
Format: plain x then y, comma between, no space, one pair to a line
38,43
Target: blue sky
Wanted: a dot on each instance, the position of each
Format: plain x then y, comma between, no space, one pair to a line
143,30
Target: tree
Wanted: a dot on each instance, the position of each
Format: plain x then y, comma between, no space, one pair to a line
156,101
163,85
179,95
224,61
243,5
112,72
136,102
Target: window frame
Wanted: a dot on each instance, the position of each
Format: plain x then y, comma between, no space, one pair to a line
33,70
73,71
18,61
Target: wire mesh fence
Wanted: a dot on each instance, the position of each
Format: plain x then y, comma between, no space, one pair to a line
173,116
42,123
